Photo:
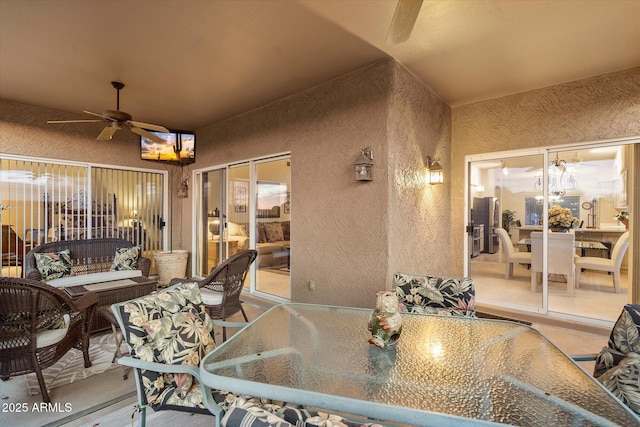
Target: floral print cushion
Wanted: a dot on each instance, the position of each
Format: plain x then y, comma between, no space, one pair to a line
273,231
624,339
126,259
623,380
54,265
172,327
251,413
435,295
618,365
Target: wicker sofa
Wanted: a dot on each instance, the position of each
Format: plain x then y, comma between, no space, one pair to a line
87,256
91,262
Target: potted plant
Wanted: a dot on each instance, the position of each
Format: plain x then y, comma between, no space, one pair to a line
623,217
508,219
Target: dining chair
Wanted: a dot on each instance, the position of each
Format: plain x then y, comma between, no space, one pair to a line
611,265
511,256
435,295
560,258
221,289
38,325
168,333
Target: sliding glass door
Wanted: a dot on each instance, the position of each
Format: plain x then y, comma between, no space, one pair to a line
533,217
42,201
242,206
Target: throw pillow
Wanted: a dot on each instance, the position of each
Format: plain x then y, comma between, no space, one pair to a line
273,230
126,259
435,295
262,236
54,265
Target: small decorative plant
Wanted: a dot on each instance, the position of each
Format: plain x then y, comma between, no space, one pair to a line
560,217
508,219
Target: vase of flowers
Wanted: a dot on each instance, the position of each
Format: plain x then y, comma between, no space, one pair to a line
561,219
623,217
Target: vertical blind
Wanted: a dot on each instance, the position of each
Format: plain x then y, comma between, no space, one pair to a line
44,201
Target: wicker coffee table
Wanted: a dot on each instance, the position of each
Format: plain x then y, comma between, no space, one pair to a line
112,292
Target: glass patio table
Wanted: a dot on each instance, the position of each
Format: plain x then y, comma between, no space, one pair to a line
443,371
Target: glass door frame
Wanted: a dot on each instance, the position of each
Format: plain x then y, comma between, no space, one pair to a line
198,209
546,152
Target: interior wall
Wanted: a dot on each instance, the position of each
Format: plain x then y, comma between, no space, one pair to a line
338,236
597,108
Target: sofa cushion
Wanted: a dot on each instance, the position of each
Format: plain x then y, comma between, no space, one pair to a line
435,295
273,230
54,265
126,259
269,248
88,279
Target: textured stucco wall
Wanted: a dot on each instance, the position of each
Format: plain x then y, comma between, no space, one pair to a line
419,220
338,236
596,108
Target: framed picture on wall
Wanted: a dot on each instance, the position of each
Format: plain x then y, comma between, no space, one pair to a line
240,196
621,194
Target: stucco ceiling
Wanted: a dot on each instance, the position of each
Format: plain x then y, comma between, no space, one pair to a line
188,64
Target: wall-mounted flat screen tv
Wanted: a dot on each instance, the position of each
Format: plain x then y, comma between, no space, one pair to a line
178,147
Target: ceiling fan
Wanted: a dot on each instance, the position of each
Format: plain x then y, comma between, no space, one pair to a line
403,20
117,119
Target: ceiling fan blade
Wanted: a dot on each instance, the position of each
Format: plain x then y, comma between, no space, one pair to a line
403,20
107,133
146,134
149,126
94,114
75,121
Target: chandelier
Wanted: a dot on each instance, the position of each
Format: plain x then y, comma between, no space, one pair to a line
562,178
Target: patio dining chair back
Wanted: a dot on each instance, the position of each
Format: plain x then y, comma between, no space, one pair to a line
221,289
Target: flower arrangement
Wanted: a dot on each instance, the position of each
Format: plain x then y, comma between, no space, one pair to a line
622,216
561,217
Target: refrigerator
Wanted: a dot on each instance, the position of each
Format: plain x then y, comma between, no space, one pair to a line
486,212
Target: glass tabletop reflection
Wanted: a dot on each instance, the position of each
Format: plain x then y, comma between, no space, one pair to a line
450,370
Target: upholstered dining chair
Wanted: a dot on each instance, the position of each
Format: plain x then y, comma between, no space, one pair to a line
221,289
561,255
435,295
38,325
510,255
611,265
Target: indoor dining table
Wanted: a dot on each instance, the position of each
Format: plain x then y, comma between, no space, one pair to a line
444,370
583,245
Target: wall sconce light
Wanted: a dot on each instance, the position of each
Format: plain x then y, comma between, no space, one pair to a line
435,173
363,165
183,188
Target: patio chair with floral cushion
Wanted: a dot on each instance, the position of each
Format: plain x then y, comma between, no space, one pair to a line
168,333
617,366
38,325
435,295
